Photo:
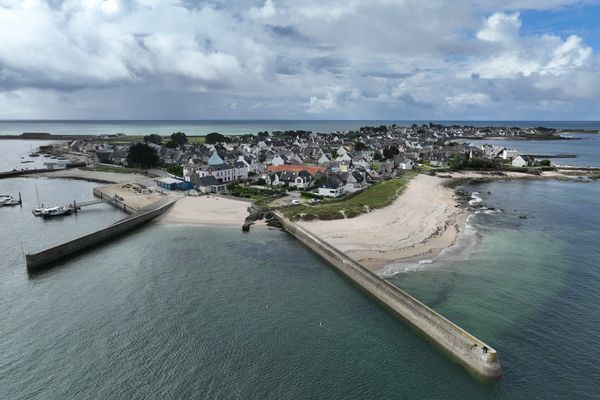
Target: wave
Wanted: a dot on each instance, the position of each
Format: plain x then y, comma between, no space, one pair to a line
461,250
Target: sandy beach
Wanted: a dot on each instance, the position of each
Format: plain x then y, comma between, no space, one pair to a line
418,225
209,210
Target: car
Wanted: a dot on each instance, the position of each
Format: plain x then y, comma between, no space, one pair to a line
314,201
295,202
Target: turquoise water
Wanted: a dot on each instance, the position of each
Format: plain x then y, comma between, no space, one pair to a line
237,127
176,311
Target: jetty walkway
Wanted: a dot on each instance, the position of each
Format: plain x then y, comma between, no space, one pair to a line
471,352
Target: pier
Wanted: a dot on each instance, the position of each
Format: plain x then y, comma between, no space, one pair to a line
55,253
472,353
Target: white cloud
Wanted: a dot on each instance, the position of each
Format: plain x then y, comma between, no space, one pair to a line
377,59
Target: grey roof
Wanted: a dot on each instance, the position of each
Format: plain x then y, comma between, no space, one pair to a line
208,181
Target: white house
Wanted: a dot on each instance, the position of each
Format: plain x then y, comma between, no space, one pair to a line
333,186
279,160
406,163
522,161
509,154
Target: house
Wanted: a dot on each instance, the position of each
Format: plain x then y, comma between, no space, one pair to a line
509,154
210,184
405,163
523,161
215,159
279,160
332,186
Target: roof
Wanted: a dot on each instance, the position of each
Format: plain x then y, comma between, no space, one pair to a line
168,181
311,169
209,180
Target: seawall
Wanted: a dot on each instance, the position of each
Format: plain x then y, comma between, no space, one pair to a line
128,208
471,352
45,257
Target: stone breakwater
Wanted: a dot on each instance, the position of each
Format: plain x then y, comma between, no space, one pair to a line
471,352
48,256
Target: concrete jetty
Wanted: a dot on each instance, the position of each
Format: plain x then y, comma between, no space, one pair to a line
48,256
471,352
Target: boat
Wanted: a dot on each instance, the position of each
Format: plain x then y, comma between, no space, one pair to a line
57,211
34,155
7,200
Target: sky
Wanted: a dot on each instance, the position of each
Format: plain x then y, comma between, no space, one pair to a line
300,59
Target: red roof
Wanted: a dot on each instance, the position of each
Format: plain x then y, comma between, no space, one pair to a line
311,169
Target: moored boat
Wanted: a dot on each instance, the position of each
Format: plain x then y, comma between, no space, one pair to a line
57,211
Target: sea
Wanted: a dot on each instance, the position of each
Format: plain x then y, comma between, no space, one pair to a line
241,127
175,311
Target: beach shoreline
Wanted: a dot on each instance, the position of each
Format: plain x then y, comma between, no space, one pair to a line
423,221
207,210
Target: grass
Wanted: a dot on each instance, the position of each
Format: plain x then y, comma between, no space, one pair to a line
261,197
111,169
376,196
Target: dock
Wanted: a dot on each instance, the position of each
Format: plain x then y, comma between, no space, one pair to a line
475,355
47,257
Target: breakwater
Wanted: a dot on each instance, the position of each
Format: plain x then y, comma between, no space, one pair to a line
471,352
48,256
115,201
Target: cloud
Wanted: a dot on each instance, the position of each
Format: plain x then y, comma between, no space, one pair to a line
288,59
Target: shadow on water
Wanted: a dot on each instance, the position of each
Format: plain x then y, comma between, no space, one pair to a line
65,261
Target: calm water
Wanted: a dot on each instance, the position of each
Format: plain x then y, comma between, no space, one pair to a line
587,148
14,152
176,311
236,127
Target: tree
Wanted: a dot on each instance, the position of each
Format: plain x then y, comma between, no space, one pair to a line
377,156
179,138
214,137
175,170
142,155
263,135
390,152
545,163
360,146
156,139
171,145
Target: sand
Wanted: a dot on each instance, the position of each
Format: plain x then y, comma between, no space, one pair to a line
417,226
209,210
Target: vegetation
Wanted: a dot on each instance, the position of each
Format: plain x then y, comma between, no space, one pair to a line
359,146
376,196
213,138
464,162
179,138
260,196
142,155
390,152
175,170
153,138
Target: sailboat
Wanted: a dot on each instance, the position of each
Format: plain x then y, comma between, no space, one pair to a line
40,208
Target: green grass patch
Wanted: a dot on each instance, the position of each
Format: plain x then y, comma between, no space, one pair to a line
376,196
262,197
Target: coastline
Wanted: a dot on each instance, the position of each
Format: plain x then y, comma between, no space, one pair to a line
423,221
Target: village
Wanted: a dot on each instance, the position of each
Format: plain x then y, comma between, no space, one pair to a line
308,166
